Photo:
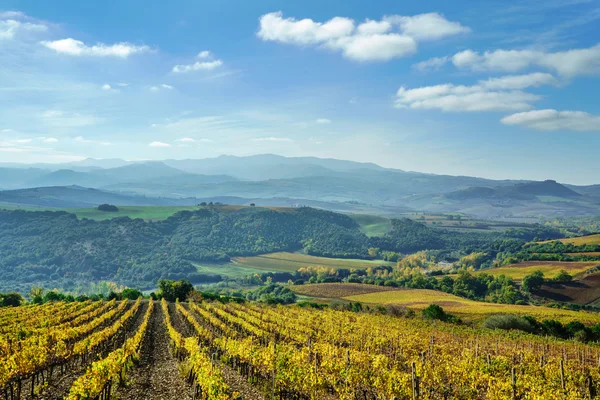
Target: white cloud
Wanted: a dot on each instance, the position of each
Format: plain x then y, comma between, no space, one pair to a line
107,87
81,139
186,140
159,144
509,82
14,22
434,63
272,139
23,141
323,121
78,48
161,86
431,26
553,120
49,140
376,47
204,54
198,66
59,118
568,63
392,37
496,94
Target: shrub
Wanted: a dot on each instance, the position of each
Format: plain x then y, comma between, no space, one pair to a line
108,208
509,322
433,311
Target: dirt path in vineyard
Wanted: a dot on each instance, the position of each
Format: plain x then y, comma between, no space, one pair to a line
157,376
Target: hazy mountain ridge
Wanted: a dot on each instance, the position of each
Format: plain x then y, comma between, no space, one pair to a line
302,180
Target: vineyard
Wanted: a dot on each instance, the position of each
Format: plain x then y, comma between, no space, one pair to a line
209,350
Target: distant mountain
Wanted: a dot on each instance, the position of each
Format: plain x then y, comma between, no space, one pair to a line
521,191
80,197
310,179
269,166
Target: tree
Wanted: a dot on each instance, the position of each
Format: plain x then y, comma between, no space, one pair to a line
563,276
533,281
252,204
10,299
131,294
172,290
373,251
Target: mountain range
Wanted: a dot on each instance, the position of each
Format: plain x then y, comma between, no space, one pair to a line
276,180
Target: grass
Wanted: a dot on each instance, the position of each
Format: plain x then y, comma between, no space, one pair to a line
228,270
578,241
372,225
290,262
418,299
549,268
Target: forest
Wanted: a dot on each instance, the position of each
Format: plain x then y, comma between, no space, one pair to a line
57,249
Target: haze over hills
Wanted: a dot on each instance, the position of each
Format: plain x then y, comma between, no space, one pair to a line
277,180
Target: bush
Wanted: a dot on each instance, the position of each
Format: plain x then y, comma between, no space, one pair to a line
509,322
108,208
433,311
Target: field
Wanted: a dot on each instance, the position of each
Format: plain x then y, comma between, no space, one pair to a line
549,268
579,241
372,225
229,351
418,299
290,262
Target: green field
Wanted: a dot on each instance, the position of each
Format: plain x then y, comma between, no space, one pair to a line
279,262
290,262
372,225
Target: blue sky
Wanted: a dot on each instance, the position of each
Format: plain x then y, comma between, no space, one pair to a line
493,89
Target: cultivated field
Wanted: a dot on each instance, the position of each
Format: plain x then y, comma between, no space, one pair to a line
549,268
579,241
421,298
213,351
290,262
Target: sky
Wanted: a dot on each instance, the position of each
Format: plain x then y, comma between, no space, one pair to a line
495,89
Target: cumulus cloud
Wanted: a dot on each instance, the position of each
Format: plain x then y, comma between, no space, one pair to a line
13,23
553,120
204,54
49,140
392,37
496,94
567,63
434,64
74,47
198,66
208,63
431,26
159,144
323,121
